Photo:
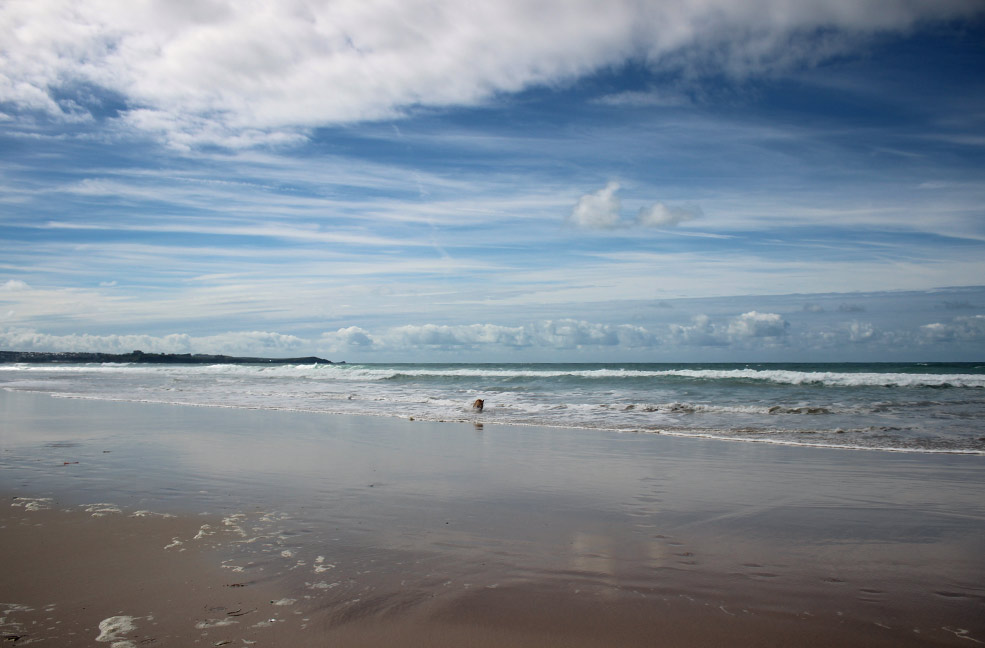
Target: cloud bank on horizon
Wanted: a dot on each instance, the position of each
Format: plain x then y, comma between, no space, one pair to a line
766,336
559,179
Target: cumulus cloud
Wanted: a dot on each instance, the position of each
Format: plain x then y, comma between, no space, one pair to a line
700,332
969,328
433,335
661,215
352,336
757,325
239,74
847,339
260,343
745,328
24,339
546,334
752,331
568,334
601,210
862,332
12,285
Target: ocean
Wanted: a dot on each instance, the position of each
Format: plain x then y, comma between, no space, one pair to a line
904,407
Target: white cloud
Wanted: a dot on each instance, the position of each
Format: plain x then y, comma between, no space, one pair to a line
701,332
748,334
568,334
661,215
23,339
243,73
266,230
968,328
742,329
259,343
757,325
560,334
14,284
862,332
352,336
544,334
599,210
433,335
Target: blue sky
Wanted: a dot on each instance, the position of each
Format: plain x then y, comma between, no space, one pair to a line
437,180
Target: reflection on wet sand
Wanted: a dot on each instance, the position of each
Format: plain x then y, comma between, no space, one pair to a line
350,521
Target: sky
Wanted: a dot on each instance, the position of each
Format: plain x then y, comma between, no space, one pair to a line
495,180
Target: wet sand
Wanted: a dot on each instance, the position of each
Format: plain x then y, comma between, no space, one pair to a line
71,579
293,529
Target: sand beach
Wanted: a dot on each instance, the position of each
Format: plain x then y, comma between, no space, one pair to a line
138,524
500,323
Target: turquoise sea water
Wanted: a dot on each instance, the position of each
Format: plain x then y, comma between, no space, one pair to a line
918,407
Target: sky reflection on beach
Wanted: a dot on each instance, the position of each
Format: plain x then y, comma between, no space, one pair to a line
602,509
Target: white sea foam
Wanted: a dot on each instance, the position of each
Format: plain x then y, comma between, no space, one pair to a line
904,406
33,503
215,623
114,630
380,373
770,375
841,379
102,508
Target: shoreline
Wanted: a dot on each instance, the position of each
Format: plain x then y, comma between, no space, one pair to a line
474,420
914,411
387,530
139,357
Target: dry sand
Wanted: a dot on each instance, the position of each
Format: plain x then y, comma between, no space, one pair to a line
285,529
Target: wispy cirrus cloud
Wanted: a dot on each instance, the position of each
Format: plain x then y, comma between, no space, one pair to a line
442,174
310,234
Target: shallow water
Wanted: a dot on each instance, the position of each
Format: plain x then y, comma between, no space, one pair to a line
918,407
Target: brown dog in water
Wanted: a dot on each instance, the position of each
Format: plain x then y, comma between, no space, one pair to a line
477,405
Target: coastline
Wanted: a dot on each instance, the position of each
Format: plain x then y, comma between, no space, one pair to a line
889,407
139,357
448,533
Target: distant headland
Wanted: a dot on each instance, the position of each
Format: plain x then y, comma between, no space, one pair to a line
148,358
